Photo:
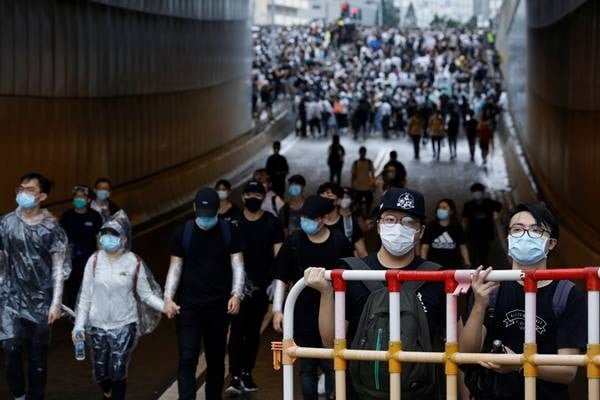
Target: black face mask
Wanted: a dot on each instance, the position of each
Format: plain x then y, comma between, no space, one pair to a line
253,204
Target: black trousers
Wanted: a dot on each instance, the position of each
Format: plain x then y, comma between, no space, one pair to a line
416,145
206,324
335,173
73,284
36,337
244,337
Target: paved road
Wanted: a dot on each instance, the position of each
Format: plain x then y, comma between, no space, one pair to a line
154,361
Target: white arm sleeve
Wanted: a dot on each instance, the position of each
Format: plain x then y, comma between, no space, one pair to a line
239,276
173,277
279,295
145,292
85,296
58,278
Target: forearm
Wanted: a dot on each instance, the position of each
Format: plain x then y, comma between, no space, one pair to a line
464,251
557,373
472,333
58,278
173,277
237,269
278,295
326,318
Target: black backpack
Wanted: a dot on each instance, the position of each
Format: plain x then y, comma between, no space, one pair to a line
371,379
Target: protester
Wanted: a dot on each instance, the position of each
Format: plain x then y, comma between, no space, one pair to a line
363,181
102,202
277,168
335,159
272,203
291,211
394,173
227,210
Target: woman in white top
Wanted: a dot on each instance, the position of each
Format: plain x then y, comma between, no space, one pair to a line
119,301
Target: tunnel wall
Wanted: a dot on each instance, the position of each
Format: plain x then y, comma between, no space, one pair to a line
119,88
553,86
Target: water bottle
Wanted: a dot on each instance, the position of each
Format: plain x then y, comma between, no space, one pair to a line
79,346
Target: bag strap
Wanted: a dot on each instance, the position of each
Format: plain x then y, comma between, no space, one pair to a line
94,263
136,274
561,295
188,230
357,264
348,226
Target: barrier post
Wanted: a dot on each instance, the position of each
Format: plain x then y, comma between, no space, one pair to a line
530,346
451,368
593,348
395,344
339,363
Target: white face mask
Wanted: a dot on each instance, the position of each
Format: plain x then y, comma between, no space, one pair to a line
223,194
397,239
346,202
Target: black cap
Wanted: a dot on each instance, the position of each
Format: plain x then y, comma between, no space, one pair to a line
207,202
316,207
405,200
254,186
299,179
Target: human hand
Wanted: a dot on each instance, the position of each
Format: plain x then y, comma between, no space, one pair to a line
54,314
278,321
315,278
171,308
501,369
481,288
233,305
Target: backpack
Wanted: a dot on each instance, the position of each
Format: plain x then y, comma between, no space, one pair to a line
188,230
371,380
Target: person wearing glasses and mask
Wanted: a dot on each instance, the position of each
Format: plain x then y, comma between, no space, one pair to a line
497,310
34,249
400,224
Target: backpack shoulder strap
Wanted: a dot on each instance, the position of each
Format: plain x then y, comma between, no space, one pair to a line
94,263
226,232
357,264
348,226
188,230
561,295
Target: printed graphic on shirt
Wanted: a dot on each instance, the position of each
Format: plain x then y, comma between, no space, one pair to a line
444,242
517,317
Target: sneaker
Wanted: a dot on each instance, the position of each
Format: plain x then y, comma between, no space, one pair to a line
248,383
235,386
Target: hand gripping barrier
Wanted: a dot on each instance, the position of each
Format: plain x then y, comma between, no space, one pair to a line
456,282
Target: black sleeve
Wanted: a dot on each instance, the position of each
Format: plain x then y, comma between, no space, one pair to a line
236,240
572,325
176,246
285,262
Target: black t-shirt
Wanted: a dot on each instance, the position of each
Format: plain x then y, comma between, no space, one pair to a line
399,172
233,215
206,276
258,238
431,294
81,230
297,254
568,331
481,218
277,165
444,244
357,233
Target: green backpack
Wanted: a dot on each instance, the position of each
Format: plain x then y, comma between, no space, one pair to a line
371,379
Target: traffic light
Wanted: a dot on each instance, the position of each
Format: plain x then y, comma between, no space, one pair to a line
355,12
345,10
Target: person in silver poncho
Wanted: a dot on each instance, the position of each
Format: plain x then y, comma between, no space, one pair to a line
35,262
118,302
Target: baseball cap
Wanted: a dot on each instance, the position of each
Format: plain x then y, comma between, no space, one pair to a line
316,207
207,202
254,186
405,200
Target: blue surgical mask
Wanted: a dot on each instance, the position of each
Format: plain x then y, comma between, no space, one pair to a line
102,194
526,250
207,223
79,203
442,214
295,190
26,200
110,243
309,226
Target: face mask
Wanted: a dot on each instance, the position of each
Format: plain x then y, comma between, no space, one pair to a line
346,202
222,194
442,214
26,200
110,243
397,239
79,203
102,194
207,223
478,195
309,226
253,204
295,190
526,250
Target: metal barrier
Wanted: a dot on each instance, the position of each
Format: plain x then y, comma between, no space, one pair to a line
456,282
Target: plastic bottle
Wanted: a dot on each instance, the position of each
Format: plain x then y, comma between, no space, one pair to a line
79,346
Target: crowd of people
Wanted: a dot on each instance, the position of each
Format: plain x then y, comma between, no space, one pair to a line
229,263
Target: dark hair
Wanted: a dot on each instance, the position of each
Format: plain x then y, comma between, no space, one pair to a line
277,144
223,182
477,187
452,205
298,179
362,150
44,183
542,215
393,155
333,187
102,180
335,139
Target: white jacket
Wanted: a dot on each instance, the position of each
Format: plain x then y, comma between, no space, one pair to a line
106,298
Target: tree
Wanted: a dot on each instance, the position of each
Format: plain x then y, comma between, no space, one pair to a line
410,20
391,14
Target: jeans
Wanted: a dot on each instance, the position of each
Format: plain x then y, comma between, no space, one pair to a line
244,338
36,337
309,377
207,324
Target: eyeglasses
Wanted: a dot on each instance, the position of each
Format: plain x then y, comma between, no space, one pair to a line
534,231
29,190
407,221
